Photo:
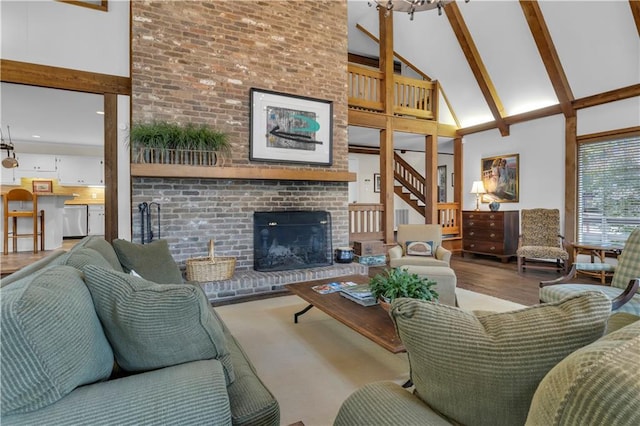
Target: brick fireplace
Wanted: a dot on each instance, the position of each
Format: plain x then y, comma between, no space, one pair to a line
204,75
193,211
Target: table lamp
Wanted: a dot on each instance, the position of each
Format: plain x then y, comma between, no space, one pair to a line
478,188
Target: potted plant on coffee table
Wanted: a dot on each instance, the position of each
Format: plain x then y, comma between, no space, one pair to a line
398,282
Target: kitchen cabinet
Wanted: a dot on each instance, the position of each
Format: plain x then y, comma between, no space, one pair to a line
36,166
80,170
96,219
491,233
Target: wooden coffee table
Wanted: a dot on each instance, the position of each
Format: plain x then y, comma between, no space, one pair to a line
372,322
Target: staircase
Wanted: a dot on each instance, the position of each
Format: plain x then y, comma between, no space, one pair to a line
411,184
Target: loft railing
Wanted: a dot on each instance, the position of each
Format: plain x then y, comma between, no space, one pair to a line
366,221
411,97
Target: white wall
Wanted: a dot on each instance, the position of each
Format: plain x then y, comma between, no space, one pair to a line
67,36
611,116
540,145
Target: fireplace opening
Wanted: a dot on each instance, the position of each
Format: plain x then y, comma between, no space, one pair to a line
291,240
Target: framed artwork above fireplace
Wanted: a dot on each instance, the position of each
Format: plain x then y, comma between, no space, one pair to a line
290,128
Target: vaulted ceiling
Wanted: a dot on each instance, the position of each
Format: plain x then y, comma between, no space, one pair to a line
498,59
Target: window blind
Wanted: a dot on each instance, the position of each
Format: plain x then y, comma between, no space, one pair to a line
608,190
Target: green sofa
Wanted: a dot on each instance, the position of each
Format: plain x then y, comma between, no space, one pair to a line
89,338
563,363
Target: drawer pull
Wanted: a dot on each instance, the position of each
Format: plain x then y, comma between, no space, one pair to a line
493,235
492,248
492,224
472,245
491,216
472,233
471,223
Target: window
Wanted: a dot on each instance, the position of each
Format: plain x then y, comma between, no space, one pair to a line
608,190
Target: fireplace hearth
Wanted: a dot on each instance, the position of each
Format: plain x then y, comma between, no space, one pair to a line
291,240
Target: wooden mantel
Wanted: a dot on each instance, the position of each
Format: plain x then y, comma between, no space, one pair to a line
207,172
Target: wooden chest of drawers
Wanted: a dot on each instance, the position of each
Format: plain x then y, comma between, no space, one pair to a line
491,233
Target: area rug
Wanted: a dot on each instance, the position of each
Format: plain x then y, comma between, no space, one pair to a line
312,366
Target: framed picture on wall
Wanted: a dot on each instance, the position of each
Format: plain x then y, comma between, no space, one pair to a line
500,176
376,182
290,129
42,186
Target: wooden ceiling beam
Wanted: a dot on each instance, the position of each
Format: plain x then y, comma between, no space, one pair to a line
635,10
549,55
63,78
478,69
606,97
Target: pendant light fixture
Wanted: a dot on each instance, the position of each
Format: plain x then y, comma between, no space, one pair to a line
10,162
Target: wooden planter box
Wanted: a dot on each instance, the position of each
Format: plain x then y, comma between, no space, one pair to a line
177,156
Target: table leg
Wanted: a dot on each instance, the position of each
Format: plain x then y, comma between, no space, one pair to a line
601,254
302,312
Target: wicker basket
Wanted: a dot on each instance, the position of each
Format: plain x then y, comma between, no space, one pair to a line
210,268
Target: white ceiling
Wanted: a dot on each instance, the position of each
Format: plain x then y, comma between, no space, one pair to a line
597,43
57,116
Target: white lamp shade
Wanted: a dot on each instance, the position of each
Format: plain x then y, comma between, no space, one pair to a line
478,188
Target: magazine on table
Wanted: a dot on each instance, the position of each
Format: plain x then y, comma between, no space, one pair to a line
360,291
361,296
333,286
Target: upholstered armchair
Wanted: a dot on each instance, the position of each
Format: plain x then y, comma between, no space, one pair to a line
540,241
624,288
419,245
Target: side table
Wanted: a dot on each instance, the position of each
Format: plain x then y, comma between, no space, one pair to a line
596,250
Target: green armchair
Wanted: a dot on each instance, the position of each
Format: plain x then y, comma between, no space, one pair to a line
624,288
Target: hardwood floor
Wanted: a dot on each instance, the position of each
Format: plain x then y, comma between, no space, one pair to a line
482,274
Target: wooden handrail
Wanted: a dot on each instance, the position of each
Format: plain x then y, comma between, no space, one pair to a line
412,97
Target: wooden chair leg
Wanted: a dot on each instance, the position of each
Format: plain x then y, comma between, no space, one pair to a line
41,230
13,236
35,232
5,236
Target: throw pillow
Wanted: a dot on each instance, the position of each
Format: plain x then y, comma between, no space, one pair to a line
107,251
52,340
154,325
597,384
153,261
420,248
484,370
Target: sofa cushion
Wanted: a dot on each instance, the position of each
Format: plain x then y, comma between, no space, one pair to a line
598,384
484,369
52,340
84,256
154,325
152,261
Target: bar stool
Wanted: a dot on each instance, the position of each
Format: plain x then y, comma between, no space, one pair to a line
19,194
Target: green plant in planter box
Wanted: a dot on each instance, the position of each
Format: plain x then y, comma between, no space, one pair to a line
397,282
162,136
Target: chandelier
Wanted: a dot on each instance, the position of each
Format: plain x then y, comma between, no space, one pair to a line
410,6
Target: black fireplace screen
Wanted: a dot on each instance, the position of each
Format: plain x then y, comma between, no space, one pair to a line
291,240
